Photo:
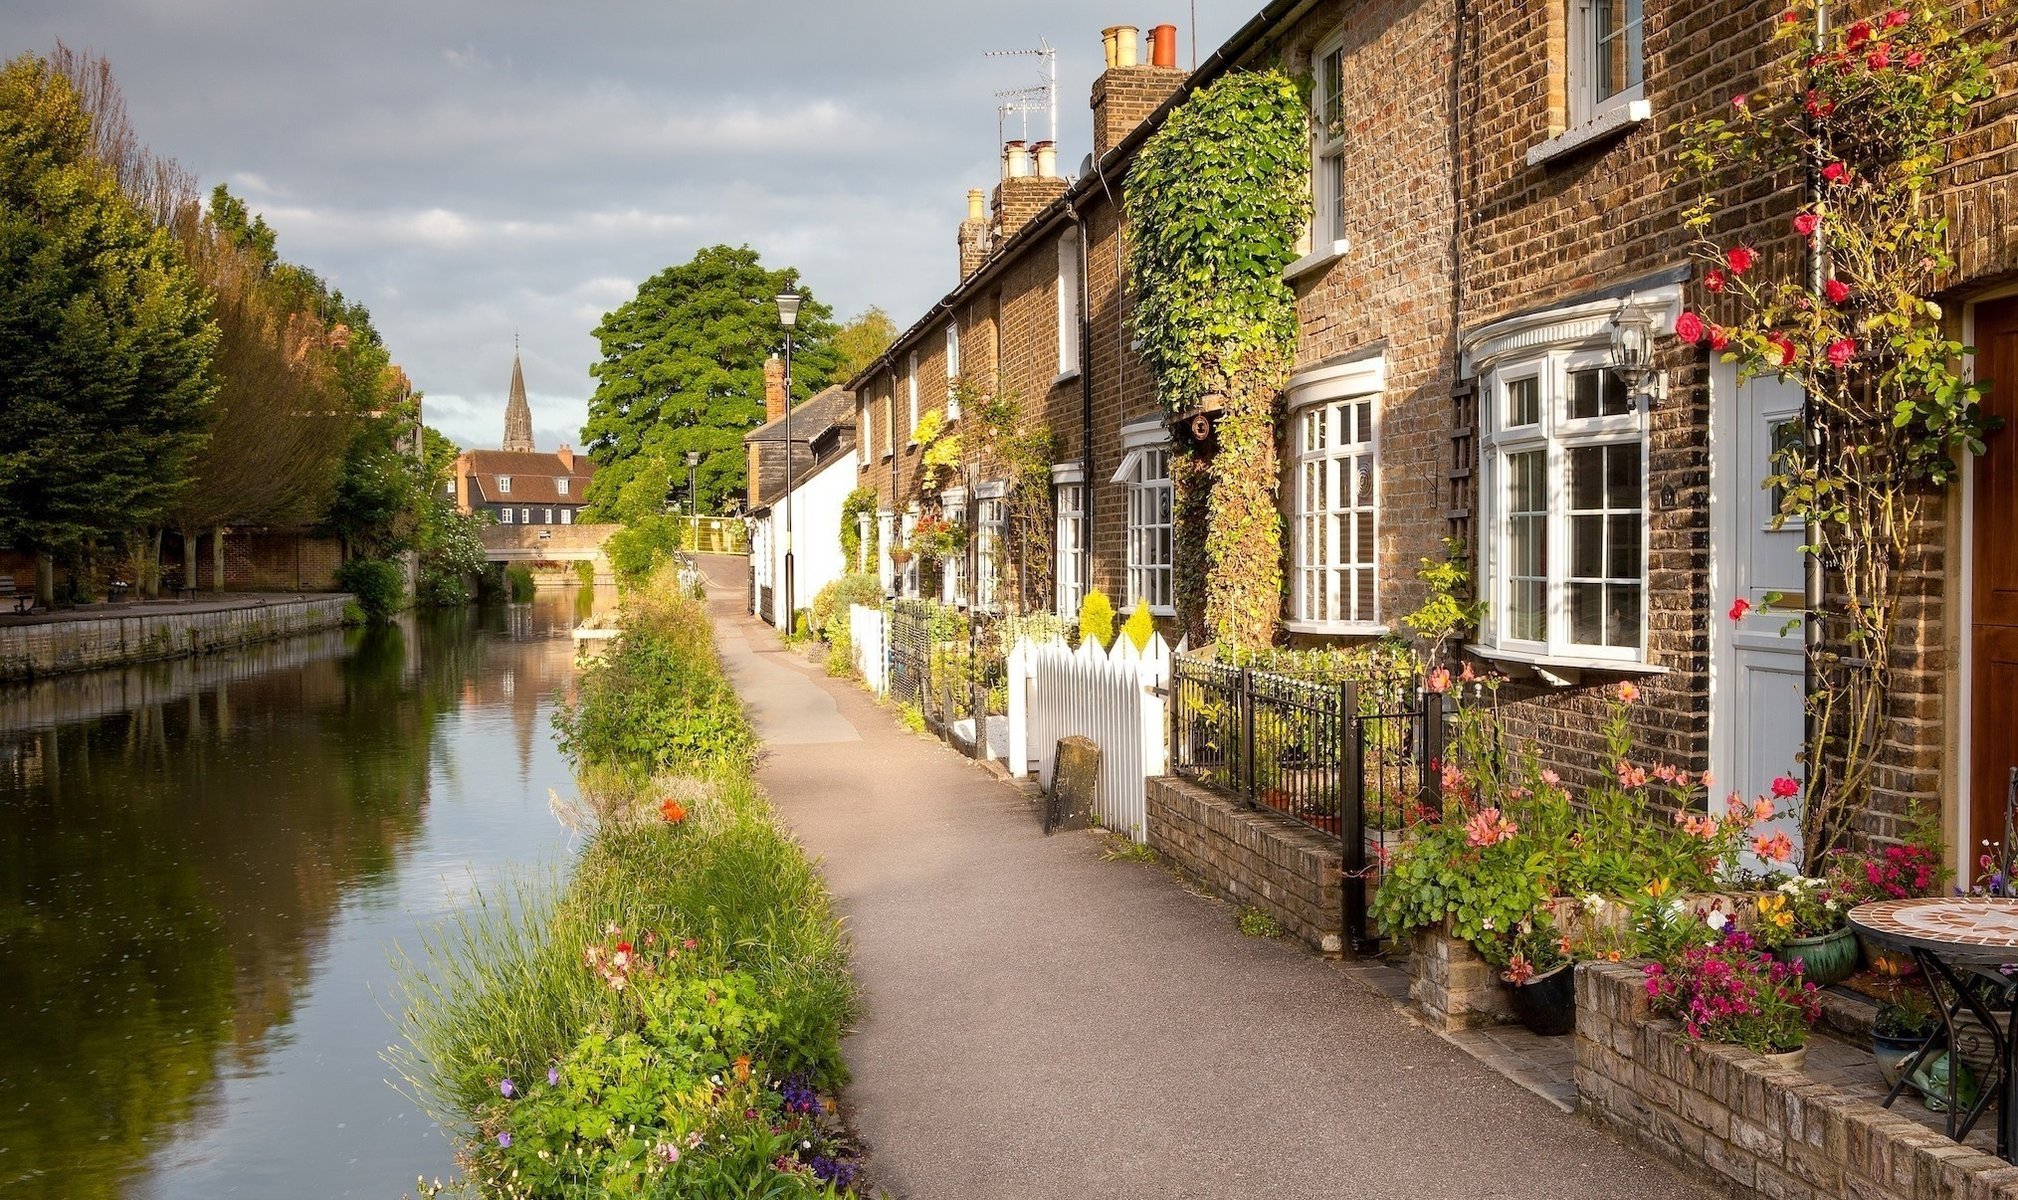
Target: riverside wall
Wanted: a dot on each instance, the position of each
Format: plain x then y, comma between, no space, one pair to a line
57,647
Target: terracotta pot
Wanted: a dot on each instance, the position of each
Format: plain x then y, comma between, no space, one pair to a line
1824,960
1547,1003
1163,46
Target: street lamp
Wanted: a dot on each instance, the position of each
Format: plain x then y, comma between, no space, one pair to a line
693,497
788,316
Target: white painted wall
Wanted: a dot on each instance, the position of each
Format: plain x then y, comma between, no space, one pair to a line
816,534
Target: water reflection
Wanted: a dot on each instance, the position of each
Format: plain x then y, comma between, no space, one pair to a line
202,866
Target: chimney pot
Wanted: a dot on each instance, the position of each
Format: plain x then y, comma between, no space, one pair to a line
1047,160
977,204
1127,46
1015,160
1107,44
1163,46
774,388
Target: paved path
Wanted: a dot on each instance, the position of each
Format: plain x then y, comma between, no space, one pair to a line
1039,1023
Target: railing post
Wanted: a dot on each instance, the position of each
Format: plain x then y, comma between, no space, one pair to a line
1246,703
1352,814
1432,747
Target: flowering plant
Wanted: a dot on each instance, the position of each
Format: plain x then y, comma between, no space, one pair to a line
1536,948
1799,907
1728,991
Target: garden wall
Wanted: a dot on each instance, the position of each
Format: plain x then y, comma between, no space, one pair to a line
1260,858
40,648
1762,1130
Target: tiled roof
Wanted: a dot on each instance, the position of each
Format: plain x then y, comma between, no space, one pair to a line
822,426
534,477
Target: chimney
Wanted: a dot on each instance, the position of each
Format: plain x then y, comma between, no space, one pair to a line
1045,155
1015,160
1131,90
1022,195
974,234
567,456
774,389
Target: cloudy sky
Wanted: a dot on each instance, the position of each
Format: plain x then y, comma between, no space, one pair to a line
470,168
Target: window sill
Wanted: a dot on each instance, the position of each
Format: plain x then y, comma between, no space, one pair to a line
1618,121
888,455
1066,376
1337,628
1317,259
1563,670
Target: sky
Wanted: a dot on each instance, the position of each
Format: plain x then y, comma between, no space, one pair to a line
476,170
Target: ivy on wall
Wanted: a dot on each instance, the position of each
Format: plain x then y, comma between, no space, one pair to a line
1216,203
860,502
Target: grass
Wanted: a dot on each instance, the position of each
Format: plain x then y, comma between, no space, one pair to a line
1122,848
1256,923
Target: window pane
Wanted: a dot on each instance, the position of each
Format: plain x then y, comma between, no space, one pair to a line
1334,166
1616,53
1625,547
1587,546
1331,111
1597,392
1587,607
1587,477
1523,402
1527,545
1622,477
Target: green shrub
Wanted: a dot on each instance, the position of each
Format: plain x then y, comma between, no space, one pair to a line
1141,625
585,570
379,585
859,502
519,581
830,606
641,546
1096,618
353,614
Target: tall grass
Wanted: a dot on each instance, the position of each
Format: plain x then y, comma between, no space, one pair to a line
501,991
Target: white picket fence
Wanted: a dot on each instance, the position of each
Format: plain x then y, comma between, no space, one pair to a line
1115,698
866,631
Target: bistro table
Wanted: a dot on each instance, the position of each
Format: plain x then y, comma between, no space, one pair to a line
1964,942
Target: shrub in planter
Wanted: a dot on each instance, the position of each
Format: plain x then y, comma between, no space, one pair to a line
1729,991
1898,1032
1805,921
1540,973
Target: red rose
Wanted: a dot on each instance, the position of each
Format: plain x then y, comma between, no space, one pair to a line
1689,328
1859,34
1786,788
1739,608
1879,58
1836,290
1719,337
1841,351
1806,224
1835,172
1896,17
1913,59
1740,259
1818,107
1785,352
1740,100
1713,280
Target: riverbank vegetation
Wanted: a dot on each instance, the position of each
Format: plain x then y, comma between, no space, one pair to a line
669,1023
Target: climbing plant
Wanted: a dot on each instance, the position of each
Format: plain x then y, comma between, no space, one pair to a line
1864,114
861,501
991,443
1217,201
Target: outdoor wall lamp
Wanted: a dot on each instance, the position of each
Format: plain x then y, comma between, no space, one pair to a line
1633,354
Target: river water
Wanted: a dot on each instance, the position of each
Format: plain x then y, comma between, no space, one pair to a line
206,868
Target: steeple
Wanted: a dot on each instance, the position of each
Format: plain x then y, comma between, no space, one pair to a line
518,414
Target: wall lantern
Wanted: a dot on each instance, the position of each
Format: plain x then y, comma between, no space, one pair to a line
1633,354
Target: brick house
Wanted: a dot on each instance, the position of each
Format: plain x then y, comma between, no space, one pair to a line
1491,194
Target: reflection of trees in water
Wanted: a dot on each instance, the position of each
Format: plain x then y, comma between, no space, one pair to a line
168,872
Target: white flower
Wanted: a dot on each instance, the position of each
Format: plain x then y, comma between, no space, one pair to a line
1486,924
1593,902
1717,921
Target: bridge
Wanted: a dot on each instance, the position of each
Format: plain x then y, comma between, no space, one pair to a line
545,543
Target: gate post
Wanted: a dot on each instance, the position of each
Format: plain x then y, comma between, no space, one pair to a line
1352,815
1432,748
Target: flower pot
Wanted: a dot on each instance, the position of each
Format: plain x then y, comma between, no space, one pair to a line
900,557
1547,1003
1896,964
1824,960
1894,1054
1788,1060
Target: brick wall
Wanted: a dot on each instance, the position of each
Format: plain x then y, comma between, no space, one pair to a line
1261,859
1123,97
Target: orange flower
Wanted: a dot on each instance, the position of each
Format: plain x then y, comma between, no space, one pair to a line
673,811
743,1069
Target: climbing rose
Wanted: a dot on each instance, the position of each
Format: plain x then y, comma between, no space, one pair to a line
1859,34
1719,337
1739,608
1913,59
1786,787
1713,280
1896,17
1841,351
1789,17
1879,58
1689,328
1835,172
1836,290
1740,100
1818,107
1807,223
1740,259
1785,351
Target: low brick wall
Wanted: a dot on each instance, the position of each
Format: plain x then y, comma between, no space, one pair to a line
58,647
1261,858
1452,986
1760,1129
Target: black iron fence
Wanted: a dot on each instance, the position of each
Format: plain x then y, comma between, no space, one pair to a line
1358,763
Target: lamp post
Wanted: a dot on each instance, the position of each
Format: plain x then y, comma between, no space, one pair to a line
693,497
788,316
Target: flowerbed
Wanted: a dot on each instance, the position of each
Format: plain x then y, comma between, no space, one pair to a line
668,1024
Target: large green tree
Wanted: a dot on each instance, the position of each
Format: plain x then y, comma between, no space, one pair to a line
105,337
682,369
862,340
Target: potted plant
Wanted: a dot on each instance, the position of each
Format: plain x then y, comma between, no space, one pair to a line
1540,972
1805,921
899,553
1900,1029
1896,872
1729,991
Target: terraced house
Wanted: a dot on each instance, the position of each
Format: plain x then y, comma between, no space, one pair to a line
1486,359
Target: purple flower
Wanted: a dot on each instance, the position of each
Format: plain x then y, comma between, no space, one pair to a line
504,1088
504,1140
553,1076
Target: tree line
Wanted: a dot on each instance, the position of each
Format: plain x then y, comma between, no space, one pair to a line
167,371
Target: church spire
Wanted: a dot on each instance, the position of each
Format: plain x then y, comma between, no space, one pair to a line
518,414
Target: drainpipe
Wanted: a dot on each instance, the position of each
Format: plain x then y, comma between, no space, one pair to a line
1086,395
1813,576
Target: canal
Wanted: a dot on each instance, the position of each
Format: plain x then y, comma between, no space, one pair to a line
206,869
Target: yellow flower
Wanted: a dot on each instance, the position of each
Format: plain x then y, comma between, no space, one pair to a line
1783,920
1657,888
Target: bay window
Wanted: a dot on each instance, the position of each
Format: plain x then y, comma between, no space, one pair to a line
1152,543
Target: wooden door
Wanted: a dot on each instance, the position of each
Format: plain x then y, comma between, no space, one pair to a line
1993,566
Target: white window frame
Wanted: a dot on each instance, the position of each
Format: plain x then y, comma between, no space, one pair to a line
549,515
1068,506
504,485
567,516
1152,514
1327,145
953,571
1548,347
911,390
451,489
908,584
505,515
991,525
562,484
864,419
1068,304
1322,542
1586,106
953,370
525,516
886,571
890,421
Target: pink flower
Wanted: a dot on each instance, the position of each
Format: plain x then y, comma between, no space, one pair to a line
1739,608
1836,290
1740,259
1550,777
1438,681
1689,328
1913,59
1709,781
1713,280
1488,827
1835,172
1776,848
1786,787
1841,351
1806,223
1762,810
1741,101
1719,337
1895,17
1452,777
1631,776
1627,692
1879,58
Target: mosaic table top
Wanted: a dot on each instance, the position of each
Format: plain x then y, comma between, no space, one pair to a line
1957,928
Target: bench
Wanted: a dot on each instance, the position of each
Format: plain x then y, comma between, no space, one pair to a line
23,601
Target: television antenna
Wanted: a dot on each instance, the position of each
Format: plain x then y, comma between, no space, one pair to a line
1026,100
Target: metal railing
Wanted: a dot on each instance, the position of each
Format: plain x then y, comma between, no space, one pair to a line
1354,764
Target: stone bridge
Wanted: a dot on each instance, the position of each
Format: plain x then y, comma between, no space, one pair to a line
545,543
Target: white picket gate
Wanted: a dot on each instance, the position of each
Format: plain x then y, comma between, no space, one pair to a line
867,629
1113,698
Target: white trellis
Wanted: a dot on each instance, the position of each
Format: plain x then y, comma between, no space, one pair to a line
867,629
1115,698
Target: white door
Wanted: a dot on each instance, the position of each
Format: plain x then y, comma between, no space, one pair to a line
1756,675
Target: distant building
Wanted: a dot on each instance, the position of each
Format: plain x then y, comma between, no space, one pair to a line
518,485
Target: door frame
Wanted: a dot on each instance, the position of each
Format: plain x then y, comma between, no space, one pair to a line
1960,814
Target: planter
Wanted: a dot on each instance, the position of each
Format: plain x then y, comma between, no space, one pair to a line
1974,1044
1788,1060
1892,963
1547,1004
1894,1054
1824,960
900,557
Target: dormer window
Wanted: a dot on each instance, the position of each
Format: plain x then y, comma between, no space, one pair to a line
562,485
504,485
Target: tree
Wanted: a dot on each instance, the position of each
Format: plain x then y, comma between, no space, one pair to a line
861,341
105,339
683,369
